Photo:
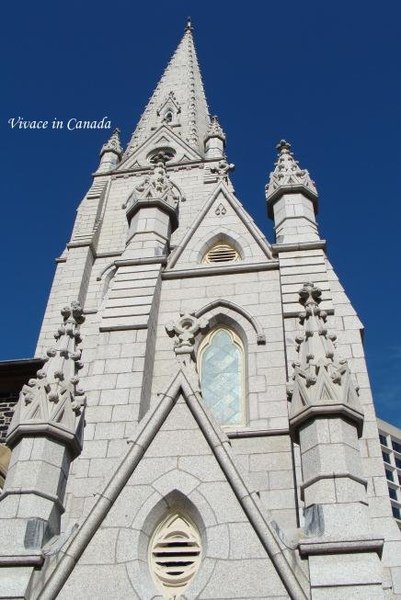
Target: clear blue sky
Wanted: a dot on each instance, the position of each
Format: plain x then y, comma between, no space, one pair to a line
324,75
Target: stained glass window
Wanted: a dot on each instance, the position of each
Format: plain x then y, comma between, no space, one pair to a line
221,367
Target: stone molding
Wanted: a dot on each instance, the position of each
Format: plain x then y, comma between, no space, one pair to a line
345,475
298,246
227,269
261,338
323,385
295,583
345,546
52,404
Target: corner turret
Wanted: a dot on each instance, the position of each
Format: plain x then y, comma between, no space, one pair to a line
292,199
110,154
215,140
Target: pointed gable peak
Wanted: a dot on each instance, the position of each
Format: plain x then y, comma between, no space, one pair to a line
288,177
178,101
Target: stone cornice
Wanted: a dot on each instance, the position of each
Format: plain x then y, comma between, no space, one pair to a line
320,546
45,429
227,269
299,246
325,410
36,492
172,166
251,433
345,475
22,560
159,203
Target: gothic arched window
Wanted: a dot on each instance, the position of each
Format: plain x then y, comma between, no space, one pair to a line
221,365
168,116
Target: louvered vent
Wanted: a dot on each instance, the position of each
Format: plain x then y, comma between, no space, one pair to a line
175,552
221,253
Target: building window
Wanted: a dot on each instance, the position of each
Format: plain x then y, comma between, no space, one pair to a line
396,512
383,439
221,253
396,446
392,493
221,365
389,475
169,117
398,463
174,554
386,457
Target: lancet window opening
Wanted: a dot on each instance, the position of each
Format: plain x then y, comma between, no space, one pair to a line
221,366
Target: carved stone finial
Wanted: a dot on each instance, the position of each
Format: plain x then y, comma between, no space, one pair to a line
322,383
185,331
288,177
188,26
52,404
215,130
222,169
113,144
157,186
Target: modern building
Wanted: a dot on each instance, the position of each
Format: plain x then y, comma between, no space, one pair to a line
203,426
390,440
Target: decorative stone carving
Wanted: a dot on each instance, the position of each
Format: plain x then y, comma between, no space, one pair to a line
156,186
52,404
288,177
113,144
185,331
322,382
215,130
220,210
222,169
169,110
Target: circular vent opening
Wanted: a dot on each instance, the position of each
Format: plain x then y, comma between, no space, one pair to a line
175,552
221,253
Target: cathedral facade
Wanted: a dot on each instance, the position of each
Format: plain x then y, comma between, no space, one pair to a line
203,425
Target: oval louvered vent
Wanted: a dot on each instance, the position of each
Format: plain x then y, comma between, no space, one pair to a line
221,253
175,552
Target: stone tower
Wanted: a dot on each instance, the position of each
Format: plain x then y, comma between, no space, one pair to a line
203,425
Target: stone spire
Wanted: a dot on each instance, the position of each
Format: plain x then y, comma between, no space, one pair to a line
111,152
179,99
215,130
288,176
215,140
113,144
292,200
322,382
52,403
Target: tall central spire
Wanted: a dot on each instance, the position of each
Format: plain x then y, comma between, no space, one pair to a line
178,101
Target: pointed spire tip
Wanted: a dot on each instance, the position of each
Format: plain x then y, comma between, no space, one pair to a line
188,26
283,145
289,175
